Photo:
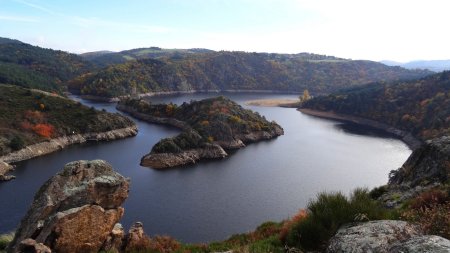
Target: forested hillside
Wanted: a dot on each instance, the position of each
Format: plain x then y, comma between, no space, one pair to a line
419,106
237,71
35,67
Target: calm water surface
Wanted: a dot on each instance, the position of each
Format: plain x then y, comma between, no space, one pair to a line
210,201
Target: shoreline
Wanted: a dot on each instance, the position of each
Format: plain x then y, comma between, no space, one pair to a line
411,141
56,144
162,93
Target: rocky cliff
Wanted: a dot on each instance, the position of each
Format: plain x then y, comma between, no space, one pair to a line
427,164
209,127
427,167
76,210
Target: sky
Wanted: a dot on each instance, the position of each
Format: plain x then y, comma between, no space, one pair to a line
398,30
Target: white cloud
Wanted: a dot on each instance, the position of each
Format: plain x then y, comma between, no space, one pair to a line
38,7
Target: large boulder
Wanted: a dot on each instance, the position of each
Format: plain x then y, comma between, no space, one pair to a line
75,210
372,236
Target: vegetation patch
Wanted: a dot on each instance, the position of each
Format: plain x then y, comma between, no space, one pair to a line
311,229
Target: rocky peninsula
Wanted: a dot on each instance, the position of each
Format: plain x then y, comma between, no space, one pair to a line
209,128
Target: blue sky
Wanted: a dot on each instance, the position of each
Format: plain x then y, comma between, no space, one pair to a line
384,29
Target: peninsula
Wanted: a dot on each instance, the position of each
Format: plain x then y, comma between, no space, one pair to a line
209,127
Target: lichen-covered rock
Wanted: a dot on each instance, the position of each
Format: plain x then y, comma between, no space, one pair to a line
422,244
428,164
76,209
372,236
31,246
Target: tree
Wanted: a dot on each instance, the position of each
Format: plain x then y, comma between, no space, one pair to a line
305,97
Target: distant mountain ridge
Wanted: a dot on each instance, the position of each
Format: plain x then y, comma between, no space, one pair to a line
433,65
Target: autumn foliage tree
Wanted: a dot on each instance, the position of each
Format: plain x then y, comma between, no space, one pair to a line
44,130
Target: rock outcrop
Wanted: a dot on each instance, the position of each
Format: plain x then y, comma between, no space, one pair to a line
427,164
76,210
4,170
31,246
168,160
136,238
427,167
114,241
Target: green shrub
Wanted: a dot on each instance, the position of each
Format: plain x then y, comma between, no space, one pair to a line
330,211
17,143
376,192
5,239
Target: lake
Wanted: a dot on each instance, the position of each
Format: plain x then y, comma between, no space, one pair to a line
212,200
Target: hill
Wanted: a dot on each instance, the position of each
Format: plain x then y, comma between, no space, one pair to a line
29,116
433,65
35,67
237,71
208,127
106,58
421,107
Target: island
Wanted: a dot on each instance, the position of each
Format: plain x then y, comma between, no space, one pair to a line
209,128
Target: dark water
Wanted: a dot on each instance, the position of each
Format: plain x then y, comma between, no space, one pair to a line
212,200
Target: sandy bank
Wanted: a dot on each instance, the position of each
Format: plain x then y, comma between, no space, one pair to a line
274,102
